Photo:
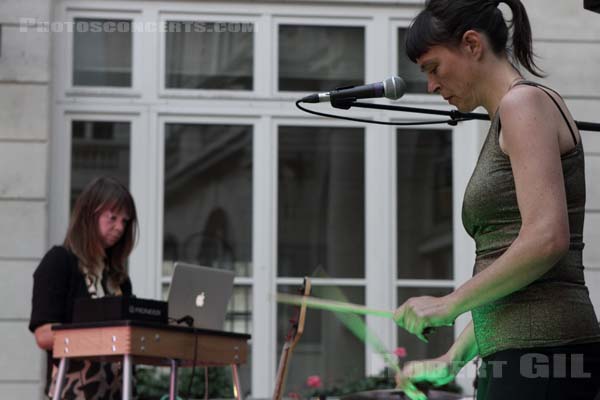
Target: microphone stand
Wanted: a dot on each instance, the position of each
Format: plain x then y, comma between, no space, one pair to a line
455,115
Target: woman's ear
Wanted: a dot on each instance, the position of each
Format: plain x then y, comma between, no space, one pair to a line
473,43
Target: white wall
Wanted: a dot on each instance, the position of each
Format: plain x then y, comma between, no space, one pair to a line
24,132
567,40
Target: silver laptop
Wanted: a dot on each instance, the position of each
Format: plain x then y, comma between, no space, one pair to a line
202,293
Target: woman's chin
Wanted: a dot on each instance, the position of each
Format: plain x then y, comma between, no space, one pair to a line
464,108
109,243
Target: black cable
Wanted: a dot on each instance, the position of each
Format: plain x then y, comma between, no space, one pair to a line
451,121
187,319
205,382
476,381
455,115
189,390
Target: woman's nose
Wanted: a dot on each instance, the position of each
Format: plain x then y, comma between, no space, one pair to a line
432,86
120,226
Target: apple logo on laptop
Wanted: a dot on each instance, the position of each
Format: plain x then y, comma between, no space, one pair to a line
200,300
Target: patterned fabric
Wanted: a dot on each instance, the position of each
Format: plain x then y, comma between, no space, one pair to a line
88,380
91,282
554,310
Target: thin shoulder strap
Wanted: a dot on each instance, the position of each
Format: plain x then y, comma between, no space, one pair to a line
542,87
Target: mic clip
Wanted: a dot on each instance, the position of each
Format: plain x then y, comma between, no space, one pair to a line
343,103
455,117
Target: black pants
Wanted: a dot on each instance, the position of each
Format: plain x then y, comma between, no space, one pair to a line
548,373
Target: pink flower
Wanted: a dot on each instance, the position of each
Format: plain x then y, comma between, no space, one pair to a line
314,381
400,352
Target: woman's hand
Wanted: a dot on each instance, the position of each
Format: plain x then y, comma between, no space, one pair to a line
409,388
438,371
419,313
44,337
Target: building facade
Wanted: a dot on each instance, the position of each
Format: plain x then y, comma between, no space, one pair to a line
191,104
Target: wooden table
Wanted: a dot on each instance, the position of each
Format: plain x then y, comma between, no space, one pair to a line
136,342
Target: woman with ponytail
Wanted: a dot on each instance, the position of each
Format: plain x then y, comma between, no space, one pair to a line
533,323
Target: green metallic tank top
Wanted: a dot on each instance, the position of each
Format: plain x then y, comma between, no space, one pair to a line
555,309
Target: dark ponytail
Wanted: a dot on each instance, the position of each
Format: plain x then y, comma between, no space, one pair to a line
444,22
522,46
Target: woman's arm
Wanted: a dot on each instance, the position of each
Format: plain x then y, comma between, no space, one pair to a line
530,138
44,337
464,348
50,295
443,369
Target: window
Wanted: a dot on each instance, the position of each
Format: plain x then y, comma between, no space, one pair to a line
208,209
102,52
321,201
424,170
416,81
319,58
208,196
328,348
191,109
209,55
321,233
98,149
424,228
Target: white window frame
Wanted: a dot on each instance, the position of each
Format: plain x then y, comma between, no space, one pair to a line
315,20
148,106
275,281
60,166
467,138
184,93
162,121
136,56
403,23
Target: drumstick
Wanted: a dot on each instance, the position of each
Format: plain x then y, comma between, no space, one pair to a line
332,305
360,332
337,306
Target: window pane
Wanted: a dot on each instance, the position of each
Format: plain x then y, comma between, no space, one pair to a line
416,81
239,311
239,319
425,241
208,210
98,149
209,55
440,339
327,347
208,196
102,52
320,58
321,201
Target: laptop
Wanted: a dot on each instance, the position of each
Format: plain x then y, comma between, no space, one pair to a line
202,293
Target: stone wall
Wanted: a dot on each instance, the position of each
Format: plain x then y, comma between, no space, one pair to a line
24,135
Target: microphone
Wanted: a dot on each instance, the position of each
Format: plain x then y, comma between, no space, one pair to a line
392,88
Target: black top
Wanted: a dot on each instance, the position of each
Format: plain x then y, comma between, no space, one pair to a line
57,283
